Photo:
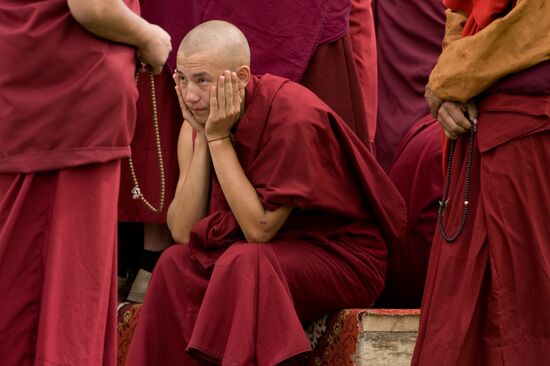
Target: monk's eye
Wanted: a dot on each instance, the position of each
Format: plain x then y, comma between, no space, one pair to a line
202,81
183,81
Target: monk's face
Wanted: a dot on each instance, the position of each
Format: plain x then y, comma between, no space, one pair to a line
198,73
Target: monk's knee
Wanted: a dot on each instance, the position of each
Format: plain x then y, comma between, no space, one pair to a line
172,257
242,254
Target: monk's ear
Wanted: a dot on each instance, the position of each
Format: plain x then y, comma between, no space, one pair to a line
243,73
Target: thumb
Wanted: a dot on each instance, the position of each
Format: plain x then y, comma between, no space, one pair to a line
471,109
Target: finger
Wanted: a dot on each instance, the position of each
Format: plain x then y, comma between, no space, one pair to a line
228,90
213,102
449,135
473,112
446,123
452,118
187,115
221,94
459,117
448,116
236,95
179,94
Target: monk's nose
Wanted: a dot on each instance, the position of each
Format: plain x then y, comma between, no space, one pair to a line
191,94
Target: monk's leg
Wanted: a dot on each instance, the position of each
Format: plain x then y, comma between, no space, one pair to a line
25,210
168,315
486,301
77,324
455,297
259,294
57,241
516,194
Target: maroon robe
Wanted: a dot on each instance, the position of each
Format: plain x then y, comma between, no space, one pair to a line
363,38
416,172
324,44
67,109
486,298
408,36
58,260
240,303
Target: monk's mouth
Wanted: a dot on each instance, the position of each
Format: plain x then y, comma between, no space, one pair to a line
198,111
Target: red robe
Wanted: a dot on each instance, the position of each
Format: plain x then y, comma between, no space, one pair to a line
58,259
416,172
243,303
408,36
324,44
67,109
486,298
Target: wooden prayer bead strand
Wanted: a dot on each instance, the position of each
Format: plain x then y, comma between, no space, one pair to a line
445,199
136,191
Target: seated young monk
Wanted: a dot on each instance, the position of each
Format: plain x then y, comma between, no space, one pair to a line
281,211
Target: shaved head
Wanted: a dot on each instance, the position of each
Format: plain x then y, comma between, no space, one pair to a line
218,39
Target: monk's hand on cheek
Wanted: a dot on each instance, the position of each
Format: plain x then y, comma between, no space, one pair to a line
187,115
225,106
456,118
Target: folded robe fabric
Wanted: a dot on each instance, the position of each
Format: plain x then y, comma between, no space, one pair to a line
301,154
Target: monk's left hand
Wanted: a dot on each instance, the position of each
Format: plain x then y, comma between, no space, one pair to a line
225,106
457,118
433,101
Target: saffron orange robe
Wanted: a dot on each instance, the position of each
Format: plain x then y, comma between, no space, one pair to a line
237,303
486,298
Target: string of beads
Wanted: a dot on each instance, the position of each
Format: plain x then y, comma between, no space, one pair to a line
444,203
136,191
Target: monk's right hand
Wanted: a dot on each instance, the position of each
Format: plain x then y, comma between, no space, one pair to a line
186,113
155,49
457,118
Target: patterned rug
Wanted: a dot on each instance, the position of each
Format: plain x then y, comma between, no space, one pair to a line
333,338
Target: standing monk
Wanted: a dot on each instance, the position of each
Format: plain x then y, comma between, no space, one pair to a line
310,37
281,210
67,109
487,296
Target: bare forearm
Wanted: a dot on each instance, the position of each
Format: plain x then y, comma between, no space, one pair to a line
257,224
190,202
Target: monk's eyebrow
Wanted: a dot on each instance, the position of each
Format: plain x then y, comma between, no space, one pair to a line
201,74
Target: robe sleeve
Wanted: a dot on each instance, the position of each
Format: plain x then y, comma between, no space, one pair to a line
454,25
508,45
301,163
